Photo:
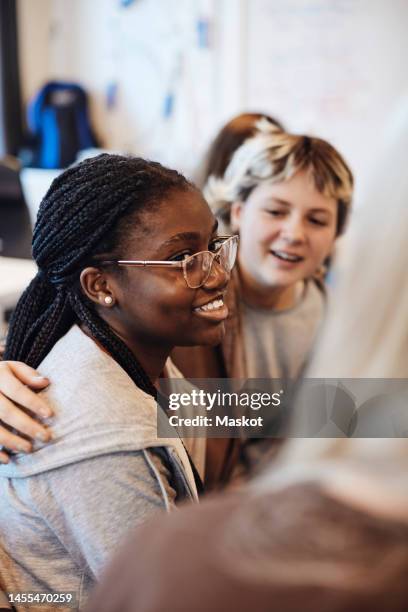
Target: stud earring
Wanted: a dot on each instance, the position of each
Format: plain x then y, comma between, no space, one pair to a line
108,300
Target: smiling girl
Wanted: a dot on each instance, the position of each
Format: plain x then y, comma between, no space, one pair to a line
129,264
288,196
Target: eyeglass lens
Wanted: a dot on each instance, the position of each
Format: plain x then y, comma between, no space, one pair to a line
198,267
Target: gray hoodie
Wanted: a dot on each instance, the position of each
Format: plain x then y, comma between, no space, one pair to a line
67,506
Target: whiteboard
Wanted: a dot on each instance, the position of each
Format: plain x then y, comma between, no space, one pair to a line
332,68
132,60
329,67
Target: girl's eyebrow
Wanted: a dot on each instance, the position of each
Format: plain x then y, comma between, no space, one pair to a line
282,202
183,236
312,210
187,236
321,210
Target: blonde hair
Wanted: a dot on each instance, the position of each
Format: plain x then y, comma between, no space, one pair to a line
274,155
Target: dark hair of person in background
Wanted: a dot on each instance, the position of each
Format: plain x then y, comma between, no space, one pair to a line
227,141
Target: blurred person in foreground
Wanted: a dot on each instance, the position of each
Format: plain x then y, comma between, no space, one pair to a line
325,528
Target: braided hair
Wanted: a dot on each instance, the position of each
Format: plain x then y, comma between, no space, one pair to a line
89,209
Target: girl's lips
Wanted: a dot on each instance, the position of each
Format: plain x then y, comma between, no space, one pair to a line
213,315
219,313
286,263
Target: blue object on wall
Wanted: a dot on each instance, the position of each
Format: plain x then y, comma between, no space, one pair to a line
203,33
168,105
111,95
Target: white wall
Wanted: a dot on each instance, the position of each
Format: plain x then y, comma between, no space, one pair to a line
34,32
331,67
334,68
147,51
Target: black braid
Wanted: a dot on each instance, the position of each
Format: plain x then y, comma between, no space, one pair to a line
88,210
32,303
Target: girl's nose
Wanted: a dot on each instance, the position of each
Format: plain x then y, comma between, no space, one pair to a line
218,277
293,231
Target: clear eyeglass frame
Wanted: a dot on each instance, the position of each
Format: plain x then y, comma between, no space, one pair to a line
197,267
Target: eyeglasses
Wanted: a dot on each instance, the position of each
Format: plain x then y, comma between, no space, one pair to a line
196,268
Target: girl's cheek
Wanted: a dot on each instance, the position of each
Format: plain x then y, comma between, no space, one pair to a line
324,247
256,224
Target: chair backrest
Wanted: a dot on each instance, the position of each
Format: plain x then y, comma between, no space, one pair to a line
58,118
15,225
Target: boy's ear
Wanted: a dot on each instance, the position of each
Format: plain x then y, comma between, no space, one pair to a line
96,287
235,217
